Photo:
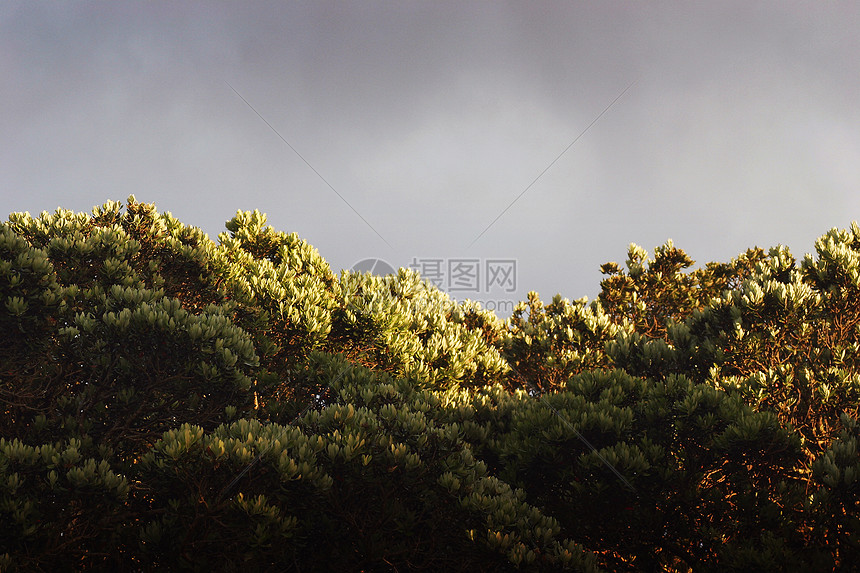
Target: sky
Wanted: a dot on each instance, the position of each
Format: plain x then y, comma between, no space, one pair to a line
497,147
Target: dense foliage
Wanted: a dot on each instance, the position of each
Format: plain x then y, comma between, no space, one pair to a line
170,402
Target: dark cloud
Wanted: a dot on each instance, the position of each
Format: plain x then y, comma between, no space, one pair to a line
430,118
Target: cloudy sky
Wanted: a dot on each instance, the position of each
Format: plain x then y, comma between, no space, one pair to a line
414,125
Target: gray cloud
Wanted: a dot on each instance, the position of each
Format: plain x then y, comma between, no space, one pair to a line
429,118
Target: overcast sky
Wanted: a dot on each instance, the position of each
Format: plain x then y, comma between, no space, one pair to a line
739,126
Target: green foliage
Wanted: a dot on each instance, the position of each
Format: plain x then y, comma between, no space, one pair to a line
649,475
554,342
59,508
836,503
173,403
651,293
413,330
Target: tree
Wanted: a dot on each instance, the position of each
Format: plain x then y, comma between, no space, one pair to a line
172,402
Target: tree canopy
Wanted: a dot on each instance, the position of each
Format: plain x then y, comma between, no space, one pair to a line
173,402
